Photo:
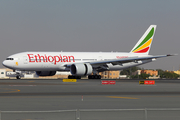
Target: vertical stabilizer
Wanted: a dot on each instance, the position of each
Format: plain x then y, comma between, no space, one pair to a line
144,44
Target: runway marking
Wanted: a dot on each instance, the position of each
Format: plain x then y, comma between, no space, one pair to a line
22,85
12,90
69,80
122,97
33,97
79,96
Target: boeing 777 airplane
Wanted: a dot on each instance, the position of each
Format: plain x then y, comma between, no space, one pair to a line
83,63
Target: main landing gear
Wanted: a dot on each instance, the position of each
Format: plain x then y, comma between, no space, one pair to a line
94,77
89,77
74,77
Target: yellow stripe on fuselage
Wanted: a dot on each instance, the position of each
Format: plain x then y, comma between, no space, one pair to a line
145,45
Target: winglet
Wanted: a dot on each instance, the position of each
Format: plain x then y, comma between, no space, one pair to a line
171,54
144,44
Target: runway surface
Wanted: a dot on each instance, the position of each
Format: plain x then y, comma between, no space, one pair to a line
46,95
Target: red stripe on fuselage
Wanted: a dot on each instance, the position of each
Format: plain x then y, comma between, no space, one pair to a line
143,50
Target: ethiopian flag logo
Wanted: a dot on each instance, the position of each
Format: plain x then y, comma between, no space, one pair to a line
145,43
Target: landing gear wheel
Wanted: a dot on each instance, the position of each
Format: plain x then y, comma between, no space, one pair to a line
74,77
89,77
18,77
94,77
77,77
99,77
70,77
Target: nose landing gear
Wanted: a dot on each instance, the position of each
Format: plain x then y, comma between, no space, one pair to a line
17,73
18,76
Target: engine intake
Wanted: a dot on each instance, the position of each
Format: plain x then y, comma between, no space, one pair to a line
81,69
45,73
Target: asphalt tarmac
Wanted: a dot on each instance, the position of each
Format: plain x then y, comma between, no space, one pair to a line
88,99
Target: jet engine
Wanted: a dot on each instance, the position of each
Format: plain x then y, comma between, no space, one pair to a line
45,73
81,69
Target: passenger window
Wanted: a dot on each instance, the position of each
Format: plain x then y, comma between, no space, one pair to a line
9,58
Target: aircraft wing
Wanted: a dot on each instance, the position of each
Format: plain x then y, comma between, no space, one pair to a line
126,60
122,60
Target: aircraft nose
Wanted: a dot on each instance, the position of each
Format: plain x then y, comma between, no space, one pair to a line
7,64
4,63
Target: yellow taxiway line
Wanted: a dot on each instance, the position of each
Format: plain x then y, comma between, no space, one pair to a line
122,97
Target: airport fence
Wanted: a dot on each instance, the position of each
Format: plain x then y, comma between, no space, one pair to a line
95,114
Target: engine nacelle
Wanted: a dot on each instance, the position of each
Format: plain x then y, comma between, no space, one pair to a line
45,73
81,69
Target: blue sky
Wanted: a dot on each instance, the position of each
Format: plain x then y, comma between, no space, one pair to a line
91,25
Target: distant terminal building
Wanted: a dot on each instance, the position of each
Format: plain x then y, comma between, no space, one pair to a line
8,73
177,72
4,72
150,72
153,73
110,74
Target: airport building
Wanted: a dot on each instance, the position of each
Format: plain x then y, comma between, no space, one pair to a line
110,74
2,73
177,72
8,73
150,72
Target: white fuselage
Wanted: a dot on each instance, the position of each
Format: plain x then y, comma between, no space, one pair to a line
56,61
84,63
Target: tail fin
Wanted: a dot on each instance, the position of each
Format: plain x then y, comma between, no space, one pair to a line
144,44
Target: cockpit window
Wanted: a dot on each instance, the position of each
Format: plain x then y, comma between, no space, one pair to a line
9,58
